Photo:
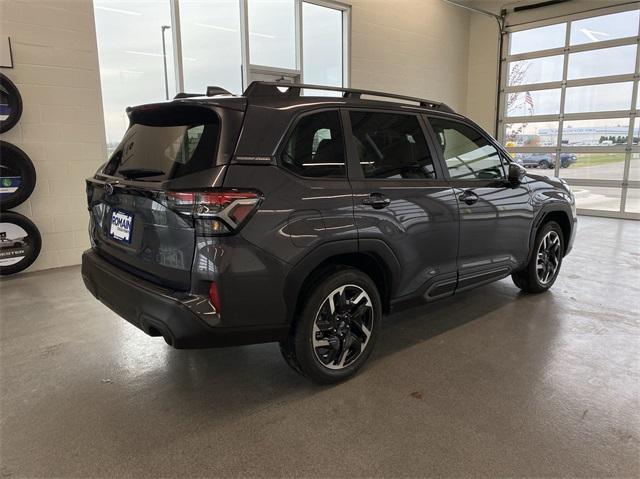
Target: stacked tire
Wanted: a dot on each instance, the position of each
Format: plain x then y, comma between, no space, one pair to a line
20,240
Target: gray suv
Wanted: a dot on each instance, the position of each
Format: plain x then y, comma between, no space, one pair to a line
285,215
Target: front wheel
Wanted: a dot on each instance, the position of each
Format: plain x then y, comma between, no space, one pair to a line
543,267
337,327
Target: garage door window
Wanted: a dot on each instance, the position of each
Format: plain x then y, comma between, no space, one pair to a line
568,105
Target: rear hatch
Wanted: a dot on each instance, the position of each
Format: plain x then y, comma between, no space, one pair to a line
136,222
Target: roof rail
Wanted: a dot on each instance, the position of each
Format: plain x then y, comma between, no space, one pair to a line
270,89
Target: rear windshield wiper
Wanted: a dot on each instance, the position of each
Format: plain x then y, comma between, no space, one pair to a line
133,173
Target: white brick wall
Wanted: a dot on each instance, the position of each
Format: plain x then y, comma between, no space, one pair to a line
413,47
61,129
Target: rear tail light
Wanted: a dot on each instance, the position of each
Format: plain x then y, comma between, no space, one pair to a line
215,212
214,297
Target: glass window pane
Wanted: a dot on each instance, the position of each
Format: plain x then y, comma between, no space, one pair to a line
391,145
606,27
634,167
164,152
315,148
531,134
322,43
467,153
211,45
536,70
597,197
542,38
633,201
272,34
534,102
612,131
592,166
604,62
129,37
544,162
607,97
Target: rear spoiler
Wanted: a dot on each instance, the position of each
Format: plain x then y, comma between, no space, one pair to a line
211,91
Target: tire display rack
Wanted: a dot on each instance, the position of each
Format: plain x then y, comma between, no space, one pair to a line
20,240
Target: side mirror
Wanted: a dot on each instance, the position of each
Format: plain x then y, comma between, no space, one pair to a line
516,173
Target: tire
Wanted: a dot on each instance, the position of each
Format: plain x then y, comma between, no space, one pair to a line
535,277
16,230
9,96
17,176
544,164
315,346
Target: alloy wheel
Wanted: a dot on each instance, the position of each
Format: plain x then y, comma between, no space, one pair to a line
342,326
548,259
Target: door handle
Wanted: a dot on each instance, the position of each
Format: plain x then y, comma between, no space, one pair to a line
469,197
377,200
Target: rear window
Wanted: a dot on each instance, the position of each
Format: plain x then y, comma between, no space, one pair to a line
157,153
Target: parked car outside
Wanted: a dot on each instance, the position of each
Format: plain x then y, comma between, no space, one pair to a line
545,160
279,216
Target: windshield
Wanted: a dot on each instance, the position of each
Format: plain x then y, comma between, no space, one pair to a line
158,153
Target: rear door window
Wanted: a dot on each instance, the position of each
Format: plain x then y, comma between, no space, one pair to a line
391,145
315,148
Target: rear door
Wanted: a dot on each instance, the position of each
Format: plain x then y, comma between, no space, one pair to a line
495,215
136,220
402,198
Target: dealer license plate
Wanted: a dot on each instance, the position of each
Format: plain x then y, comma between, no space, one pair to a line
121,225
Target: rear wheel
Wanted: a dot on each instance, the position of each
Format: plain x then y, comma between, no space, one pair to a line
543,267
337,327
544,164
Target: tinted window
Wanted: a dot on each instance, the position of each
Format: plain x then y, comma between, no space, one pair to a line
155,153
391,145
467,153
315,147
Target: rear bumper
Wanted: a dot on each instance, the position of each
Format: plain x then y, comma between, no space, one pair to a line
178,317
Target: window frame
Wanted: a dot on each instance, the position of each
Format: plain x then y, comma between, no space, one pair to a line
249,68
356,172
505,159
629,149
293,124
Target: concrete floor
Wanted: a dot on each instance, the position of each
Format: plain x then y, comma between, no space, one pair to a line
489,383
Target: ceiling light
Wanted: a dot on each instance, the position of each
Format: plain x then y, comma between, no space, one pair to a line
118,10
262,35
215,27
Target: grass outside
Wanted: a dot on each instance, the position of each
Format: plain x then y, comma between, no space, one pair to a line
595,159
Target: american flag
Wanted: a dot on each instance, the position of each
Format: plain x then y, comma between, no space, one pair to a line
529,100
